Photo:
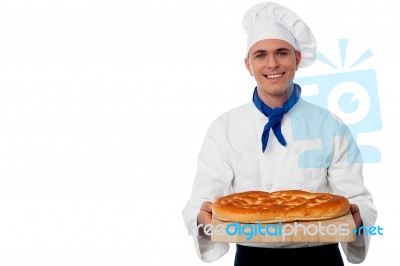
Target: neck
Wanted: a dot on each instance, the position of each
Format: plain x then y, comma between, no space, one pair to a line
276,101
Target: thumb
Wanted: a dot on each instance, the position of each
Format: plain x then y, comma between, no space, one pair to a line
354,208
207,206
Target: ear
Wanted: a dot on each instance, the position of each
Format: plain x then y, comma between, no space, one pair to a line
298,59
248,66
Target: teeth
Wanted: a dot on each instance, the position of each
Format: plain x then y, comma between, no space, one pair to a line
274,76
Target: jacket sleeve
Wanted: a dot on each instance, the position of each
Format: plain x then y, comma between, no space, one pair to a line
346,178
213,179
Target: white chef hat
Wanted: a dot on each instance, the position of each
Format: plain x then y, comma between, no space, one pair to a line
273,21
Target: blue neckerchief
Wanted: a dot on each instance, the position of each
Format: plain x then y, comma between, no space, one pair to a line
275,115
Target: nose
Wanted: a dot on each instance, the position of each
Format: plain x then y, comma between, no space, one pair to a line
272,62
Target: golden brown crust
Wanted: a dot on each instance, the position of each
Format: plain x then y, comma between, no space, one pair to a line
279,206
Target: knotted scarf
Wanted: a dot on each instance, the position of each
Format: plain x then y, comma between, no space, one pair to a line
275,115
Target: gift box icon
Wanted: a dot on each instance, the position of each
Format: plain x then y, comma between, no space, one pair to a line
351,95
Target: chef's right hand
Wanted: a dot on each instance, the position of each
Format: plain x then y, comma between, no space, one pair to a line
204,217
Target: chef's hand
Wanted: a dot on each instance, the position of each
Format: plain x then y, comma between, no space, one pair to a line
204,216
355,211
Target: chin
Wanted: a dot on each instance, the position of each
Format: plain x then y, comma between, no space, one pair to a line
276,90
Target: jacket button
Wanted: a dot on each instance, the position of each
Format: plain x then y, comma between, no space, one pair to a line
300,183
296,150
269,186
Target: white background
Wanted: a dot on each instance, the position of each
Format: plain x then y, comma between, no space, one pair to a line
104,104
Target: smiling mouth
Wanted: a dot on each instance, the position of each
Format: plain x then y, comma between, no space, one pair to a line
274,76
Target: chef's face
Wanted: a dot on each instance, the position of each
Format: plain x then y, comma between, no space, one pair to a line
273,64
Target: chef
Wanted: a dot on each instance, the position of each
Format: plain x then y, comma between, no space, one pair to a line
278,141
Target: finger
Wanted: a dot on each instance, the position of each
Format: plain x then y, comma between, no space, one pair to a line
208,219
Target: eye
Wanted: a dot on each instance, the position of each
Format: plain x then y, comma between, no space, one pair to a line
260,55
282,53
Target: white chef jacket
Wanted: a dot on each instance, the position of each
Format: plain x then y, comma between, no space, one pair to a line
231,160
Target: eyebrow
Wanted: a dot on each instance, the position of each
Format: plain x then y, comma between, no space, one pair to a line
277,50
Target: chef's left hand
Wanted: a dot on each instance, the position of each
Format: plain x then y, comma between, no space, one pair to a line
355,211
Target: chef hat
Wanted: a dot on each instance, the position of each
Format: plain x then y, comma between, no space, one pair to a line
273,21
